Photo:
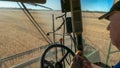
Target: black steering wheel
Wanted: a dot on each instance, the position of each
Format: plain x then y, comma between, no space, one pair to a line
56,56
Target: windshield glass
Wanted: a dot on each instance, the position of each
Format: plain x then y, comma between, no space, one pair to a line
19,35
87,5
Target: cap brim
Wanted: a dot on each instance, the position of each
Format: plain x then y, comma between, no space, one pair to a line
106,16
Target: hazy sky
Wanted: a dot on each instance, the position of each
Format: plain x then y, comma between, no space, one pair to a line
92,5
96,5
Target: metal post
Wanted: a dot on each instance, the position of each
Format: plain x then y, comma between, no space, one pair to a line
108,54
77,22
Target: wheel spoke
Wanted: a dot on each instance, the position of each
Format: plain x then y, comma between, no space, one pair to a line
64,56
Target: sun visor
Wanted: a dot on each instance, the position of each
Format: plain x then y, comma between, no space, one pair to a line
28,1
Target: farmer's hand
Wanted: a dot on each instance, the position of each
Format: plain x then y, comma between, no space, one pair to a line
80,61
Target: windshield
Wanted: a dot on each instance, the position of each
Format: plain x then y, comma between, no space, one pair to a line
20,36
87,5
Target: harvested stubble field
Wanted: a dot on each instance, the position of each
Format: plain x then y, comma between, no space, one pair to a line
17,33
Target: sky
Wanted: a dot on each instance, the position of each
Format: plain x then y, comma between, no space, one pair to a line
103,5
88,5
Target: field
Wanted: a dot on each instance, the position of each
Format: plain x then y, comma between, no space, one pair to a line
17,33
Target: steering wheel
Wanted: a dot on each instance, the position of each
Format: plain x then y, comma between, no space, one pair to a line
56,56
